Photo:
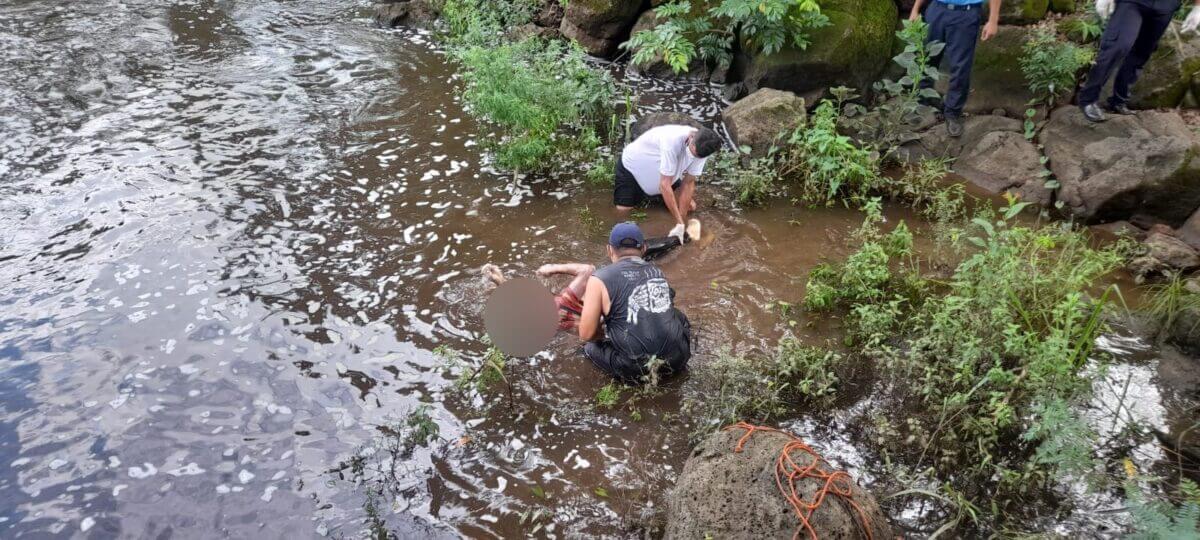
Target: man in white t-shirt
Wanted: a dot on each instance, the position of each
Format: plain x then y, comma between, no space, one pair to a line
666,161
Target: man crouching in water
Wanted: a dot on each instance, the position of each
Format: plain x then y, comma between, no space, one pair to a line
636,304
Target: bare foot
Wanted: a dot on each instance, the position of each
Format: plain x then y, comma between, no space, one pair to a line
493,273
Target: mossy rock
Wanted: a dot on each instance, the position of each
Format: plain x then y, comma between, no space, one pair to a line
1022,11
996,78
1169,74
1062,6
851,51
599,25
698,69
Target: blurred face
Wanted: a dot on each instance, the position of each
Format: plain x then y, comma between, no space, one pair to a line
691,146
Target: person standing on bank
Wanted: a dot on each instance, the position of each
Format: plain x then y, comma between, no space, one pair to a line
635,304
666,161
956,23
1134,28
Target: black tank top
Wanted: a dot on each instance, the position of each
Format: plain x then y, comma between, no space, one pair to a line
641,321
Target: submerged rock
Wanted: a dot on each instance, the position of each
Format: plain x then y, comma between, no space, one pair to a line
599,25
761,117
412,12
1144,163
851,51
726,494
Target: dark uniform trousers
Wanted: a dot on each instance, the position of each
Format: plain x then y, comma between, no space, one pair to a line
1131,37
958,27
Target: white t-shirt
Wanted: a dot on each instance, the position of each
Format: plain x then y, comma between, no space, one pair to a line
662,151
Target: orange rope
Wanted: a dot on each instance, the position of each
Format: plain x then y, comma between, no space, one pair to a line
838,483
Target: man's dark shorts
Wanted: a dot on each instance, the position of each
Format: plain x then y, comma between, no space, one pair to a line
627,192
608,359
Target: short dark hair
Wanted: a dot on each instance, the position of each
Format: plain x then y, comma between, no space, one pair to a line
707,142
627,251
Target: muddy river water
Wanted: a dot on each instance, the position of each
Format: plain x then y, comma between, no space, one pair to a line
232,234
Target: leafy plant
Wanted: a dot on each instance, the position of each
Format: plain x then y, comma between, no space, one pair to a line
900,104
683,33
531,90
1051,66
988,358
1153,519
827,164
608,395
1084,29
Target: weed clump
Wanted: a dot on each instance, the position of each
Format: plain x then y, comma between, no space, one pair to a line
759,388
991,360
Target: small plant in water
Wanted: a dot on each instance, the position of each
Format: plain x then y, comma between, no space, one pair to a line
608,395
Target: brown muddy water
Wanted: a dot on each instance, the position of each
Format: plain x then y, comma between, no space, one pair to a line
232,235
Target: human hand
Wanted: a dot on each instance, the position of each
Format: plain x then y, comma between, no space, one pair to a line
545,270
914,14
677,232
1192,21
1105,8
990,29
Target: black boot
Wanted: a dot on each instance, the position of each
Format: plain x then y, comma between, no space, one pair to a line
1092,112
954,126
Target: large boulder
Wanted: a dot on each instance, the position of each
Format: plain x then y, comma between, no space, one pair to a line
758,119
992,154
599,25
1004,161
996,78
653,120
1139,164
851,51
722,493
1169,74
1189,232
1022,11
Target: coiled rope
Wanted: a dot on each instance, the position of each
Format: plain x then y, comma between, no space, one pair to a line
787,471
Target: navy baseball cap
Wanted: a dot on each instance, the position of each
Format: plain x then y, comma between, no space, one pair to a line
626,235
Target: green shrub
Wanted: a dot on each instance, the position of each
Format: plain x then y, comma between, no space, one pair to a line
827,165
766,26
1051,66
991,359
608,395
1154,519
531,90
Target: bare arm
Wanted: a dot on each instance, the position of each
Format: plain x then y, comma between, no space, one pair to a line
916,10
573,269
589,320
668,195
993,22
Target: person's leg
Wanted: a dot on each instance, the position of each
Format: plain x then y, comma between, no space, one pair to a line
579,273
627,194
1115,45
606,358
1151,30
962,33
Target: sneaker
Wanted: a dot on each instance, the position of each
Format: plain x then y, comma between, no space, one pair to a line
954,126
1092,112
1121,109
